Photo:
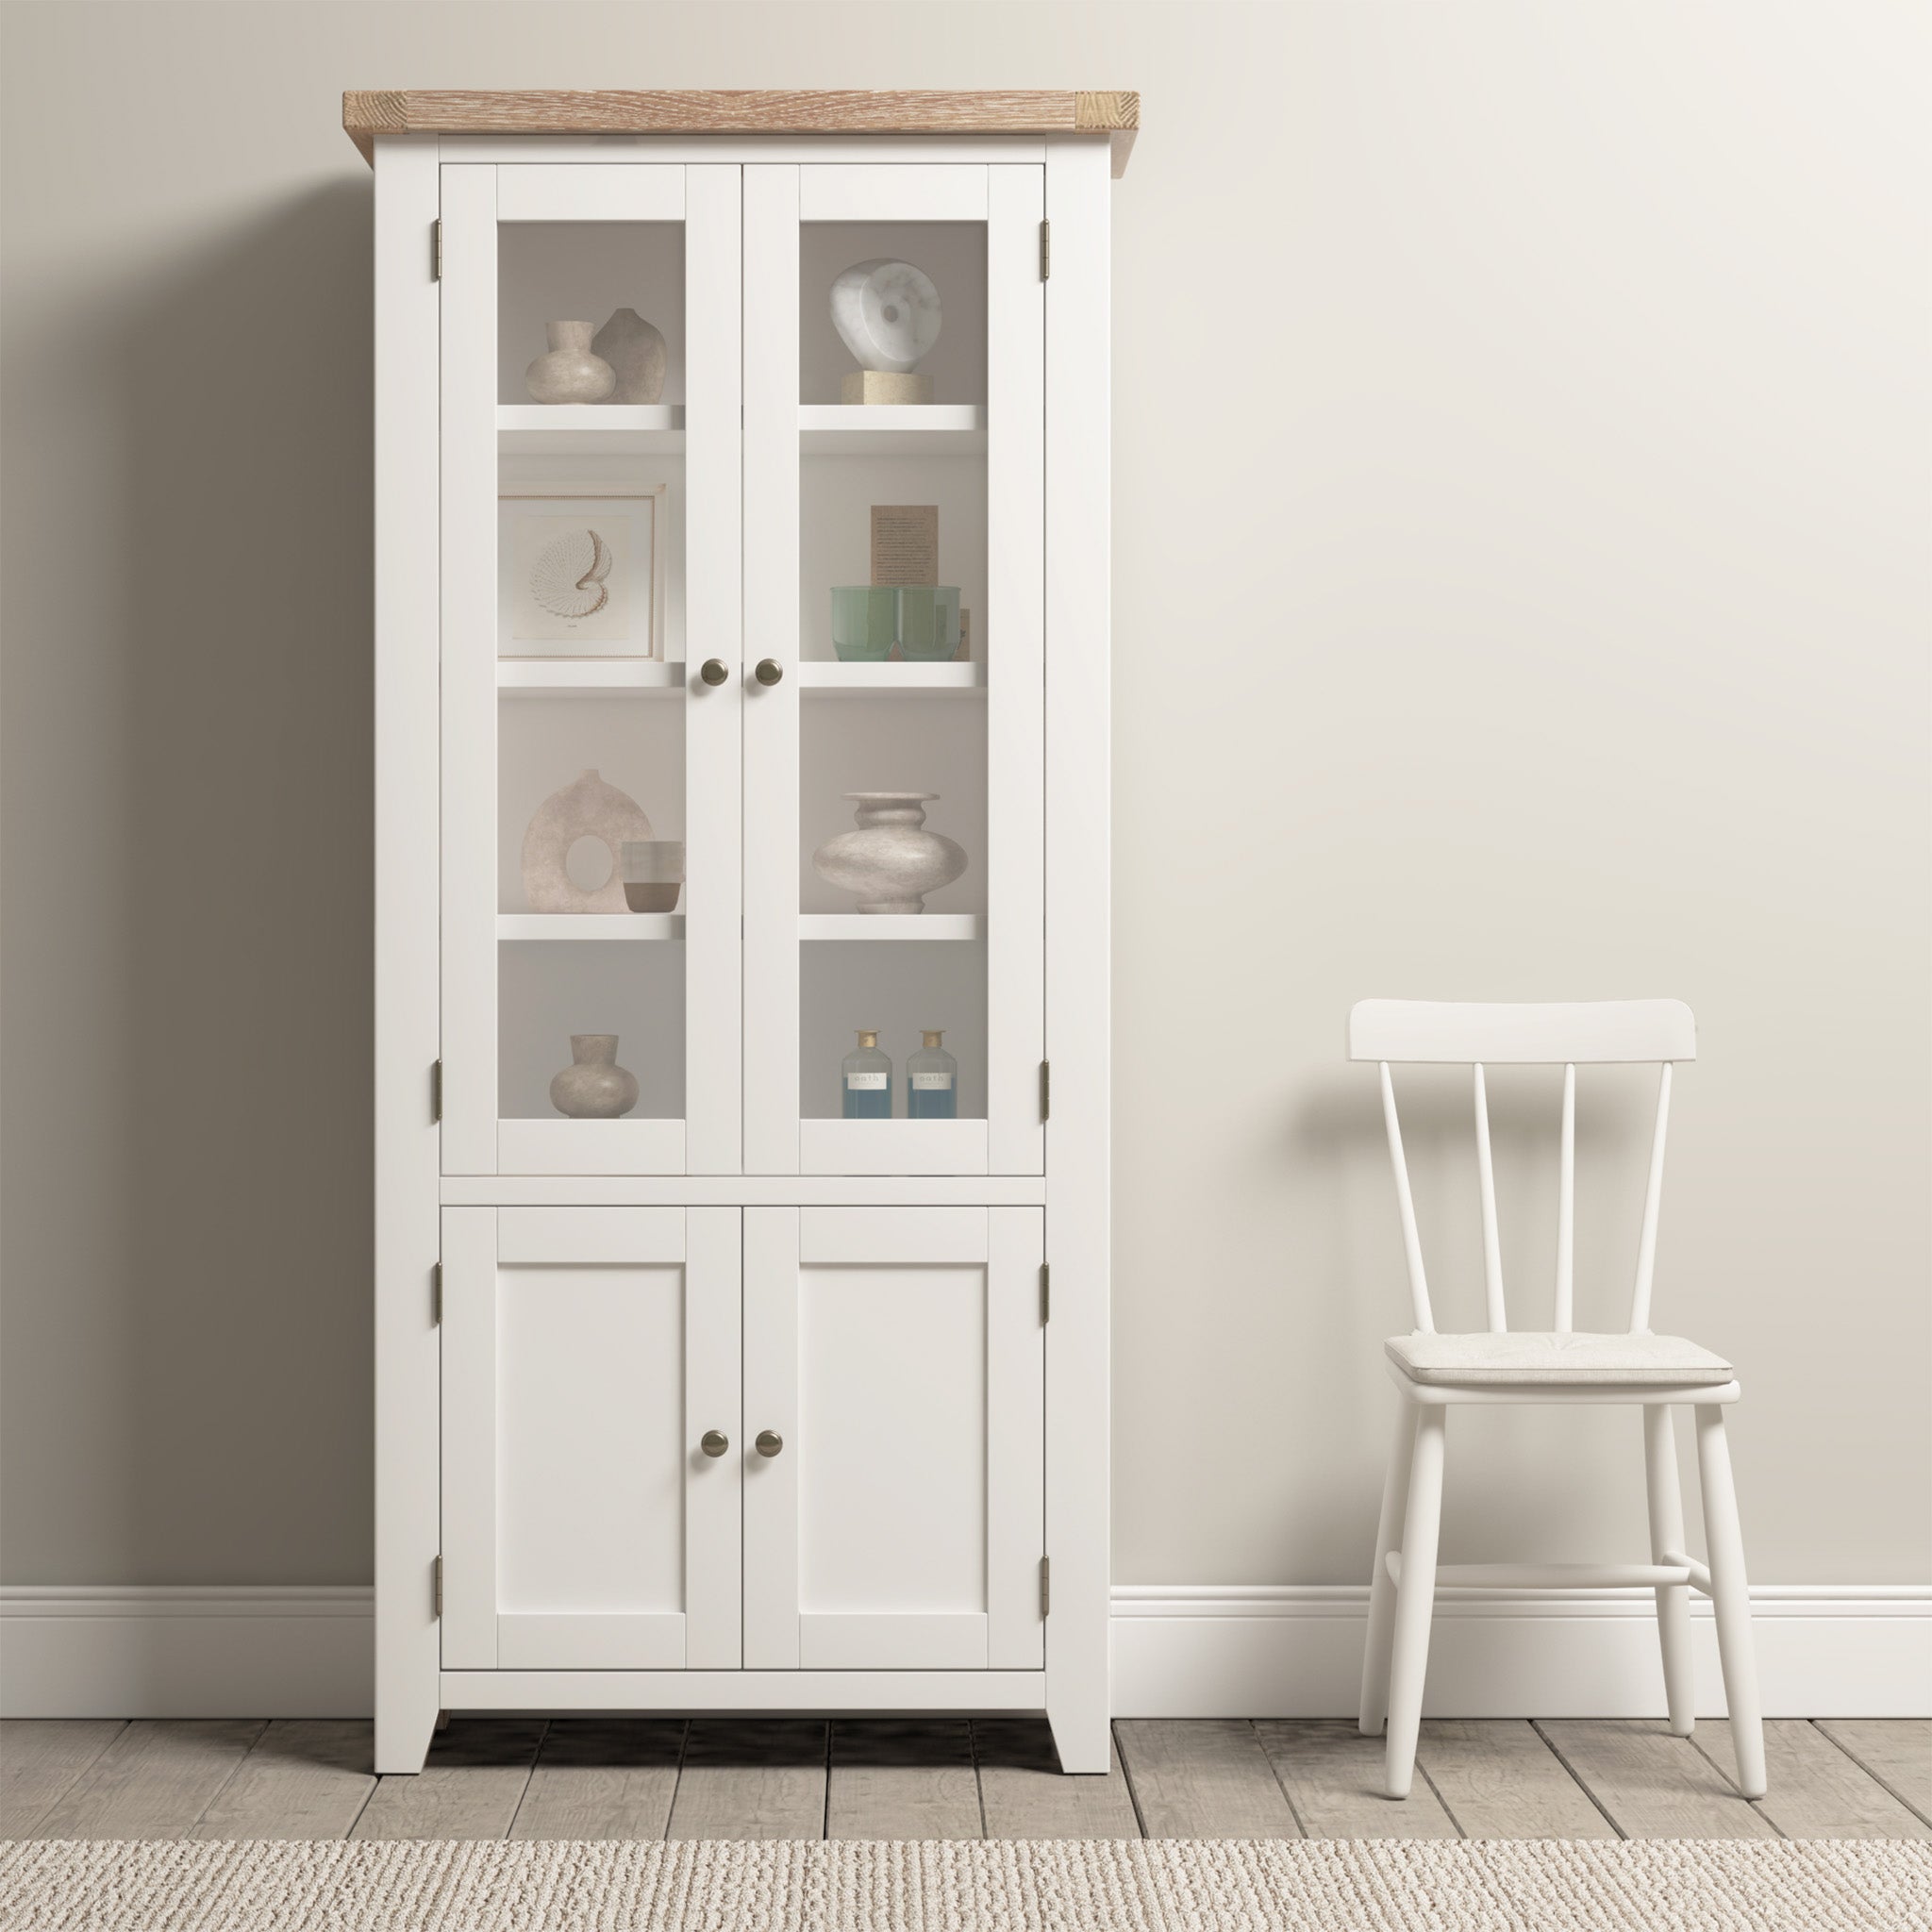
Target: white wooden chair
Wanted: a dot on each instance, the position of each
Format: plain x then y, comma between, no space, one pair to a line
1434,1372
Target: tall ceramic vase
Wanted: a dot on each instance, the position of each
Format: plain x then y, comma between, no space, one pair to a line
594,1086
890,861
635,349
569,373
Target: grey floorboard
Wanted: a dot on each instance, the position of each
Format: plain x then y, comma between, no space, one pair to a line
1333,1778
153,1780
470,1786
41,1759
1651,1784
1202,1778
751,1780
1814,1790
602,1777
912,1778
1897,1751
1025,1795
1497,1778
304,1778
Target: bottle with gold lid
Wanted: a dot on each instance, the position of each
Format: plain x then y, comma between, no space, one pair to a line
932,1082
866,1080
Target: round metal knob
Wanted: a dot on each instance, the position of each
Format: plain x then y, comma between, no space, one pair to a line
769,1442
713,671
769,672
713,1443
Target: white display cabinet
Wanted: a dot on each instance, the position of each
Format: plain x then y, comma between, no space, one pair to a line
734,1401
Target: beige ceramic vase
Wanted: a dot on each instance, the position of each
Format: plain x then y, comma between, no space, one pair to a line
594,1086
570,373
635,349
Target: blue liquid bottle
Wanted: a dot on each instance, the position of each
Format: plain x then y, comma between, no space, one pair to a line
866,1081
932,1082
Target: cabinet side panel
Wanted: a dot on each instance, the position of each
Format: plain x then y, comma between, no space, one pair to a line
407,1147
1079,1015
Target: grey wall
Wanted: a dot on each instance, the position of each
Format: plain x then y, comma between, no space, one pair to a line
1521,505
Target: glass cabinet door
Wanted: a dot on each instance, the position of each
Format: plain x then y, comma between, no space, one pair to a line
592,698
894,601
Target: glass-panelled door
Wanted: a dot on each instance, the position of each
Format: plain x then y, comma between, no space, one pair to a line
894,586
591,699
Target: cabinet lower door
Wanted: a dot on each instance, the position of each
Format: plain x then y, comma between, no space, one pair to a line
895,1413
587,1353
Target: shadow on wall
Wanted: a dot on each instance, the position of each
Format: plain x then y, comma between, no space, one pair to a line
245,396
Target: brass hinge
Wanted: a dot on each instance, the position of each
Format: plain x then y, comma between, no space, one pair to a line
1045,1296
435,1090
1045,1585
436,251
1045,250
439,1586
1045,1090
436,1293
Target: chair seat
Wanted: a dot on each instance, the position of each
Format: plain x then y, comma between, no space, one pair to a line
1521,1357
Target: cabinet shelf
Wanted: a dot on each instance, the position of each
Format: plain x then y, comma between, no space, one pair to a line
539,676
892,429
828,675
589,925
590,429
890,925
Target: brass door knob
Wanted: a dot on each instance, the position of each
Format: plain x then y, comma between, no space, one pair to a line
714,1443
714,671
769,672
769,1442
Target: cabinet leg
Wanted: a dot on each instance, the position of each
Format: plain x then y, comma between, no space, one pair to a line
1083,1738
404,1729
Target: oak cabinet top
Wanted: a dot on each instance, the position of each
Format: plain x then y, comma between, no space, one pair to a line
744,111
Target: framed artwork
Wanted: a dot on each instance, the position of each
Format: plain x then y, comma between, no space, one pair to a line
580,573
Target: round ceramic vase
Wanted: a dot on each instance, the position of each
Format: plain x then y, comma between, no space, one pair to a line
594,1086
891,862
570,373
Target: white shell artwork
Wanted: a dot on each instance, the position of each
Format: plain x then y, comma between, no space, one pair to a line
887,313
587,809
567,577
892,861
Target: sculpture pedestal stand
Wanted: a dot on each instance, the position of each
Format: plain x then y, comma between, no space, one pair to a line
884,386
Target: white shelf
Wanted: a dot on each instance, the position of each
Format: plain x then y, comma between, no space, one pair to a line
892,429
589,925
890,925
823,674
538,676
590,429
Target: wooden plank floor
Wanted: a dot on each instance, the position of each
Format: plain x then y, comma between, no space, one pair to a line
952,1778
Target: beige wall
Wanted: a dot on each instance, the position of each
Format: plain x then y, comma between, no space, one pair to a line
1520,491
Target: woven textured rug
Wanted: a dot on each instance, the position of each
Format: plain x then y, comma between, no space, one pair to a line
1175,1885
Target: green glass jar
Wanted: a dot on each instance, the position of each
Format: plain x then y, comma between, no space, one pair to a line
864,621
929,622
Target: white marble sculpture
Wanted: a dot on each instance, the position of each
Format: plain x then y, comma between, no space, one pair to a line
587,809
887,313
890,861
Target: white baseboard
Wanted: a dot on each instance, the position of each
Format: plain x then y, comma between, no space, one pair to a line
1201,1651
231,1652
1296,1651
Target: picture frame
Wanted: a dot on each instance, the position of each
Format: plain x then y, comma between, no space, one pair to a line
580,571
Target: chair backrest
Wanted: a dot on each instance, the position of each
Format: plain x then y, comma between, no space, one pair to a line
1566,1034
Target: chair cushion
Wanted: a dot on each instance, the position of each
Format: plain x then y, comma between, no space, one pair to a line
1528,1357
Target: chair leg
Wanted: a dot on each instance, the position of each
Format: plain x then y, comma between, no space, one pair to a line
1374,1706
1415,1600
1730,1597
1666,1534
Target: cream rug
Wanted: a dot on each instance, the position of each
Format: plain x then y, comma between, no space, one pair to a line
1175,1885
